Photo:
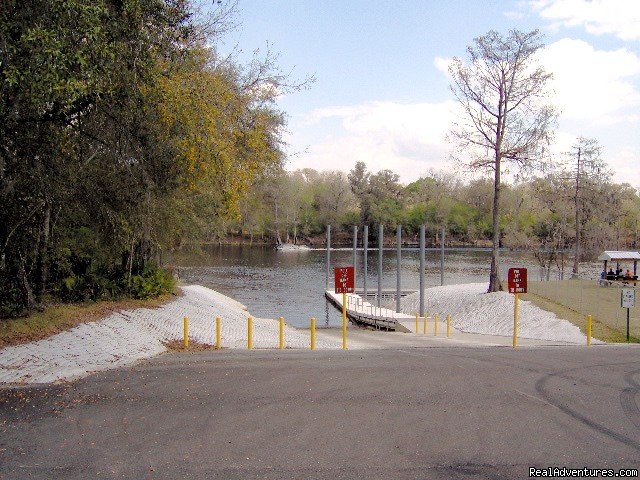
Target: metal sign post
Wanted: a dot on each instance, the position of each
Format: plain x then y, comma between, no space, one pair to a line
517,282
628,300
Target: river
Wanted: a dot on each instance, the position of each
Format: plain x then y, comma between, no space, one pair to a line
292,284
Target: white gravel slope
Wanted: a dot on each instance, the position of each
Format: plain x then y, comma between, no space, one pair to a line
125,337
474,311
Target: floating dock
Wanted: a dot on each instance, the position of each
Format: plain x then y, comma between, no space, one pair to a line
362,312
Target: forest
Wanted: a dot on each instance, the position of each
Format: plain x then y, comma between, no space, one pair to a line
127,136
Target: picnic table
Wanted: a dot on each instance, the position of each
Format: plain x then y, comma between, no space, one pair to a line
610,280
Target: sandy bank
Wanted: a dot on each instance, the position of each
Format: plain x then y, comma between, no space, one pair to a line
474,311
123,338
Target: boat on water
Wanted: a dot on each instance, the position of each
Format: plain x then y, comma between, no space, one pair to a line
290,247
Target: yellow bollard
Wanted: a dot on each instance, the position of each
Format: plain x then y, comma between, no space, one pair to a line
424,324
250,333
281,333
185,332
218,333
588,330
436,319
313,333
417,322
515,321
344,321
448,326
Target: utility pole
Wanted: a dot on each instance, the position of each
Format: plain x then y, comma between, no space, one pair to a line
576,253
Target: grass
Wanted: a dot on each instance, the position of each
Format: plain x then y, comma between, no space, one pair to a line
56,318
178,346
573,300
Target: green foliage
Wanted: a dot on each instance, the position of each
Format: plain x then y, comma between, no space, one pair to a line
151,282
123,136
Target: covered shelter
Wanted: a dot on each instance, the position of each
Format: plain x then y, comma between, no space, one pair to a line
620,256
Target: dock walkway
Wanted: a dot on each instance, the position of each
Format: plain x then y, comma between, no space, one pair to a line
362,312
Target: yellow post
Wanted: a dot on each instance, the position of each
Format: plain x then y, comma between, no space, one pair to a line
250,333
588,330
281,333
185,332
417,322
344,321
515,321
448,326
313,333
218,333
424,324
436,319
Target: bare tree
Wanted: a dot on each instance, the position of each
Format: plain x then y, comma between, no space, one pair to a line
502,91
588,173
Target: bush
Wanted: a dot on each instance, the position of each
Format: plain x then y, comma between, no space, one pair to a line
151,282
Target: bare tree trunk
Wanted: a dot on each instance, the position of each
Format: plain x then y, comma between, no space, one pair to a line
494,276
30,301
43,253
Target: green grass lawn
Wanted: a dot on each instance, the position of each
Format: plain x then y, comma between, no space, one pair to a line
573,300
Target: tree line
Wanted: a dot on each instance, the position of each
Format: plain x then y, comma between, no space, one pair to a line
538,214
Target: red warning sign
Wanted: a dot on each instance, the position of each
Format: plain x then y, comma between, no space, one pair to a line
517,279
344,279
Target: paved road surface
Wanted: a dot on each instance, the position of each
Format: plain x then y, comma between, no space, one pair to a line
412,413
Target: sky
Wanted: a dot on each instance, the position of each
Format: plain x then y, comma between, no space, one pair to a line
382,95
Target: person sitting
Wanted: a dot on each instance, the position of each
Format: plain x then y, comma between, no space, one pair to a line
628,274
611,275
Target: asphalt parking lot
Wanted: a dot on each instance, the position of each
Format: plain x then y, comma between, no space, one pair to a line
408,413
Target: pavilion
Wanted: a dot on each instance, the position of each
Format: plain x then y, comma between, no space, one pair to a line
620,256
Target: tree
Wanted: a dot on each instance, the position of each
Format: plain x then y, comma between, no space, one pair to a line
588,173
123,134
501,91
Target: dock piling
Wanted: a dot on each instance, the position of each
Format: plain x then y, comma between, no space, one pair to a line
328,256
365,253
355,248
380,246
398,261
422,249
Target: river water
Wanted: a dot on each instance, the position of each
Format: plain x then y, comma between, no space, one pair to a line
291,284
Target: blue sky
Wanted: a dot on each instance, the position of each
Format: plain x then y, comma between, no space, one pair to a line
382,96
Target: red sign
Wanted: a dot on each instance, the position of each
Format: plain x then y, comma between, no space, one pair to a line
344,279
517,280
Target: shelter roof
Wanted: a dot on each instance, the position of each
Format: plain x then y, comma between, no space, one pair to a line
611,255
